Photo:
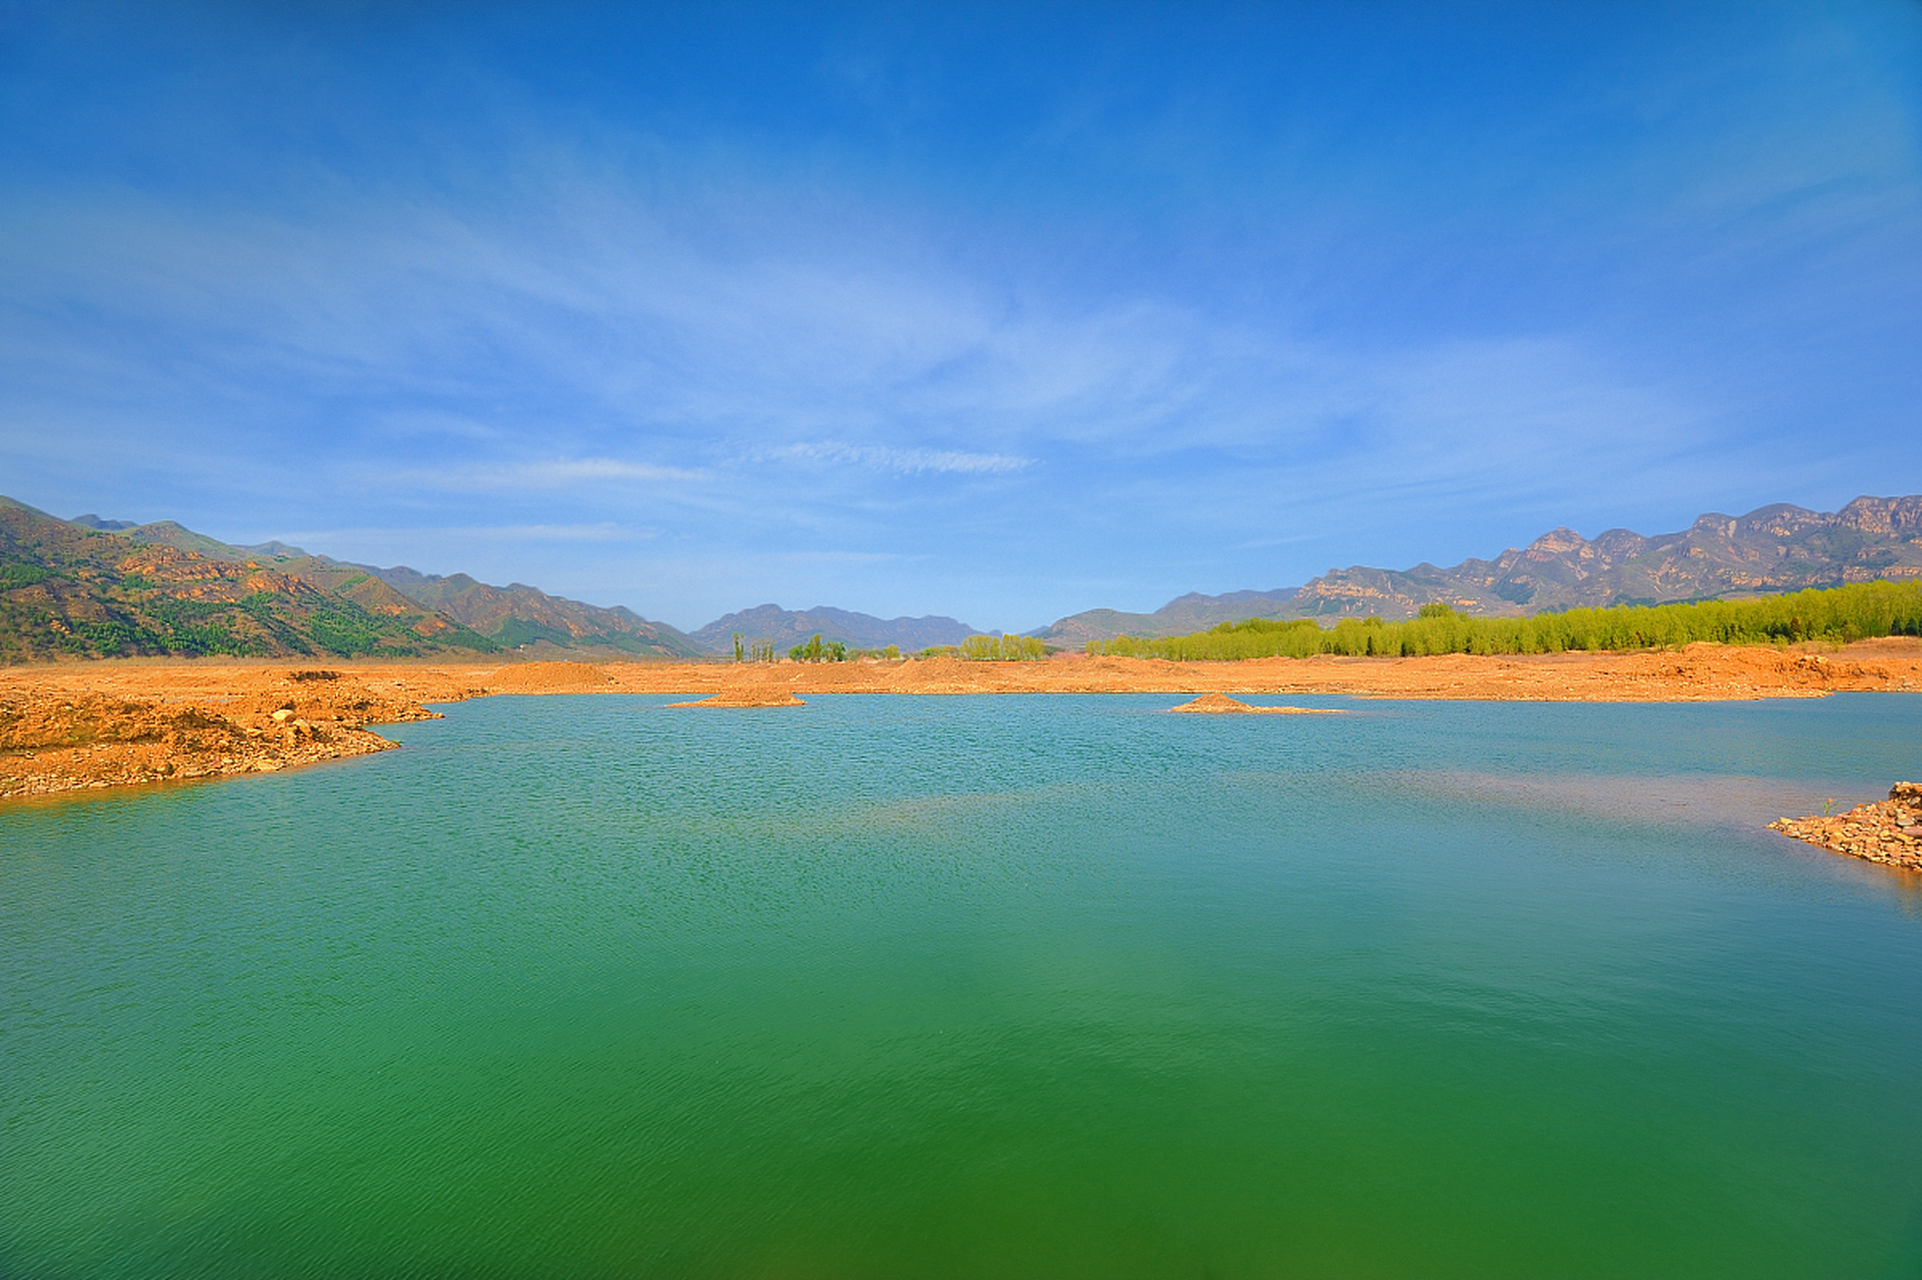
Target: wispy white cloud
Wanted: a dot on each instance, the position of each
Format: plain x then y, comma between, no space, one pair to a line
428,424
610,332
604,531
905,461
601,337
557,473
842,557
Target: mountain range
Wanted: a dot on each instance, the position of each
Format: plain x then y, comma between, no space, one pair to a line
90,587
96,587
786,627
1183,614
1771,549
70,589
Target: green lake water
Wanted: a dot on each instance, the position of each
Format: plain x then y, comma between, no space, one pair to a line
994,986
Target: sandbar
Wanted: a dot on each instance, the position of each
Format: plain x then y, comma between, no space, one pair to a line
1218,704
754,695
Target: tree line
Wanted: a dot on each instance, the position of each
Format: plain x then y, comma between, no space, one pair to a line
1002,648
813,649
1835,615
753,650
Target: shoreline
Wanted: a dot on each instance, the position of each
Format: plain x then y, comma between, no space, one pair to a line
86,726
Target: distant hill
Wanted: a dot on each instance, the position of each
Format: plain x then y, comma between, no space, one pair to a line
787,627
211,600
74,590
166,533
1192,612
1769,550
510,616
1772,549
518,614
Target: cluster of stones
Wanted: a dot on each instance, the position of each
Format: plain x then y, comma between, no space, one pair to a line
1888,831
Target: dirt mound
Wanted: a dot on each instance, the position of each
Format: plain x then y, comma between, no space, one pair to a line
1215,704
760,695
934,675
547,677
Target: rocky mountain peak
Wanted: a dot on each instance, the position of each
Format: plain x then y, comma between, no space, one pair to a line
1557,542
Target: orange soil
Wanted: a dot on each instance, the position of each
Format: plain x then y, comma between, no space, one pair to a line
96,724
1216,704
753,695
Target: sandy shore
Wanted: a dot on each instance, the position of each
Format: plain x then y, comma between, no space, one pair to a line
99,724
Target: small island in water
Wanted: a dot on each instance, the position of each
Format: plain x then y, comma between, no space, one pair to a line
752,695
1215,704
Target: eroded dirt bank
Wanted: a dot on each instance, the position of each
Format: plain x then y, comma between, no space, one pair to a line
98,724
103,725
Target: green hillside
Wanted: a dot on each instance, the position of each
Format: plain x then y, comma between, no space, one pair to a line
71,591
521,615
64,591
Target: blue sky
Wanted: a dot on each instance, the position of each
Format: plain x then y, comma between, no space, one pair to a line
999,312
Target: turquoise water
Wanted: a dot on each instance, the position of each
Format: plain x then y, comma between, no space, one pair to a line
1024,986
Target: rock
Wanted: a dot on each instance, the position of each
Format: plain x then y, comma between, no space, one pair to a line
1883,832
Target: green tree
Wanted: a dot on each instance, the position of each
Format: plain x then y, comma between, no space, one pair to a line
1834,615
1004,648
816,650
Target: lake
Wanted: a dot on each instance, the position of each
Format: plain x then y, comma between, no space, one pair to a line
966,986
